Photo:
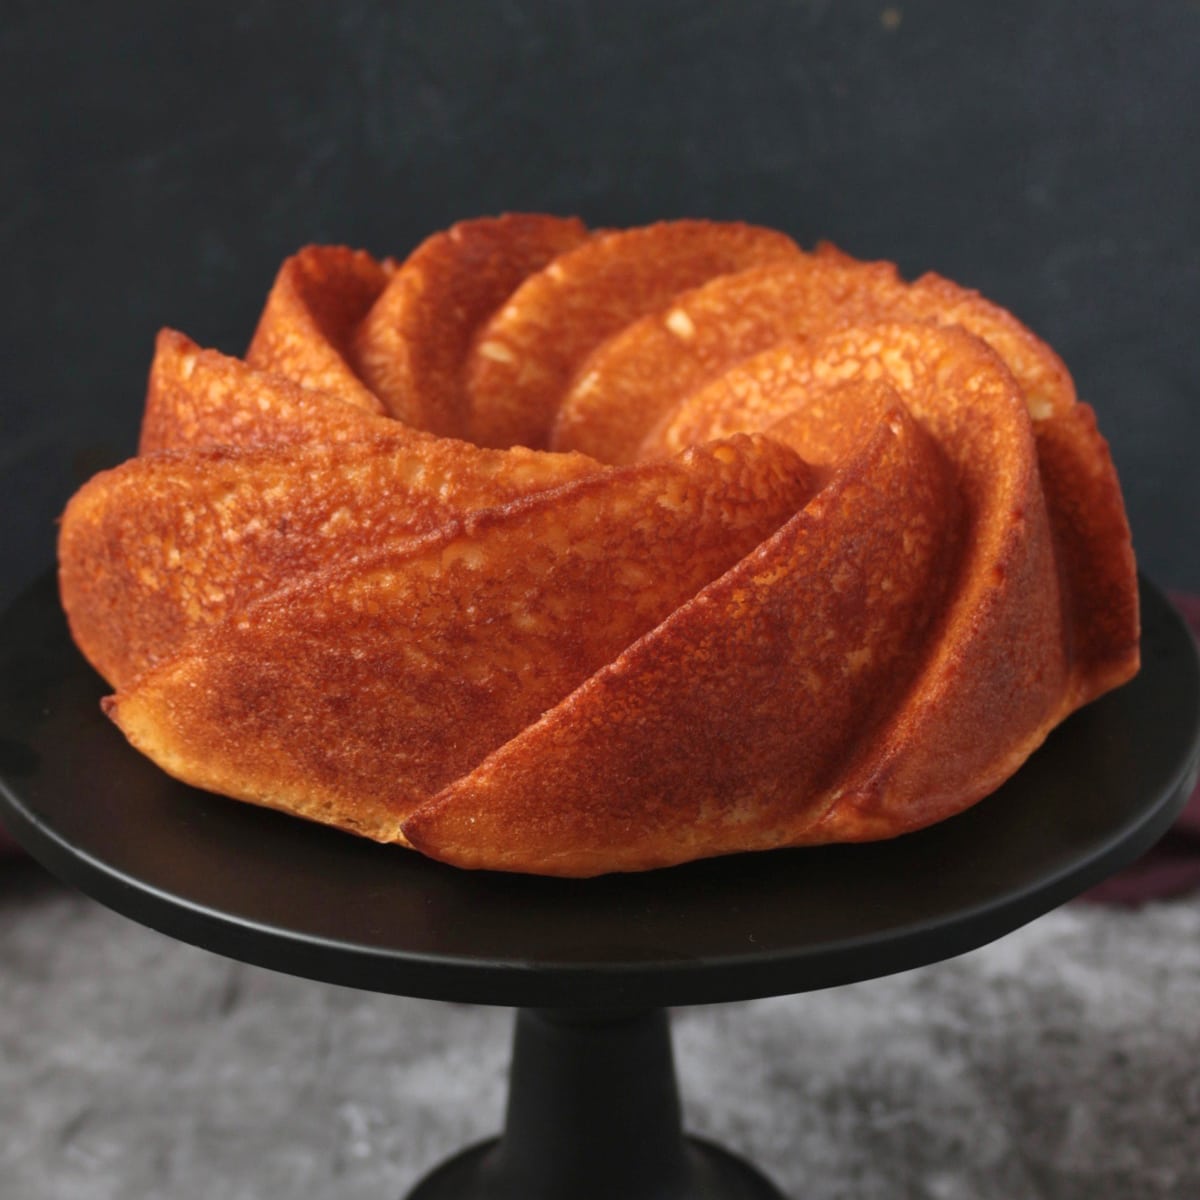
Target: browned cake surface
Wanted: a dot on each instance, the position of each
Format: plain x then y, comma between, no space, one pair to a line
528,352
404,669
762,683
815,554
186,542
198,397
306,330
412,346
632,380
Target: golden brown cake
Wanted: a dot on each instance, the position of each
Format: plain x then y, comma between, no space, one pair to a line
570,552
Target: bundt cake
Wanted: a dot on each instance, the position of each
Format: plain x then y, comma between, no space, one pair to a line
570,552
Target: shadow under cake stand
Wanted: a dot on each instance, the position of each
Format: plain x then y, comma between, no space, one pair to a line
593,1111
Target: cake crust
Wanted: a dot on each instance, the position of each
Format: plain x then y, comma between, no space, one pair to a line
566,551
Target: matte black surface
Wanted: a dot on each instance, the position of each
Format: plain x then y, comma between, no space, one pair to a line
300,898
723,1176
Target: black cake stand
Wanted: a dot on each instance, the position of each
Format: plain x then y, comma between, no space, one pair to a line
593,1110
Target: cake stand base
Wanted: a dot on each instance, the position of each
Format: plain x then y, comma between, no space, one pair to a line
593,1114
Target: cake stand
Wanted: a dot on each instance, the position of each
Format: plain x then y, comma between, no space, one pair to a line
593,1111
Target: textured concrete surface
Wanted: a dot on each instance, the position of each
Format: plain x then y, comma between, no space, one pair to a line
1057,1064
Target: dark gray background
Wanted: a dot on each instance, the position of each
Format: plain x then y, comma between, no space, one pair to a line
160,159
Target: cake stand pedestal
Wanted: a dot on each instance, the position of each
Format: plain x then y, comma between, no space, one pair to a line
593,1112
592,965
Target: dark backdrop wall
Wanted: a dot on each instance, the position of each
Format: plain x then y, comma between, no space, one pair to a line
160,159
